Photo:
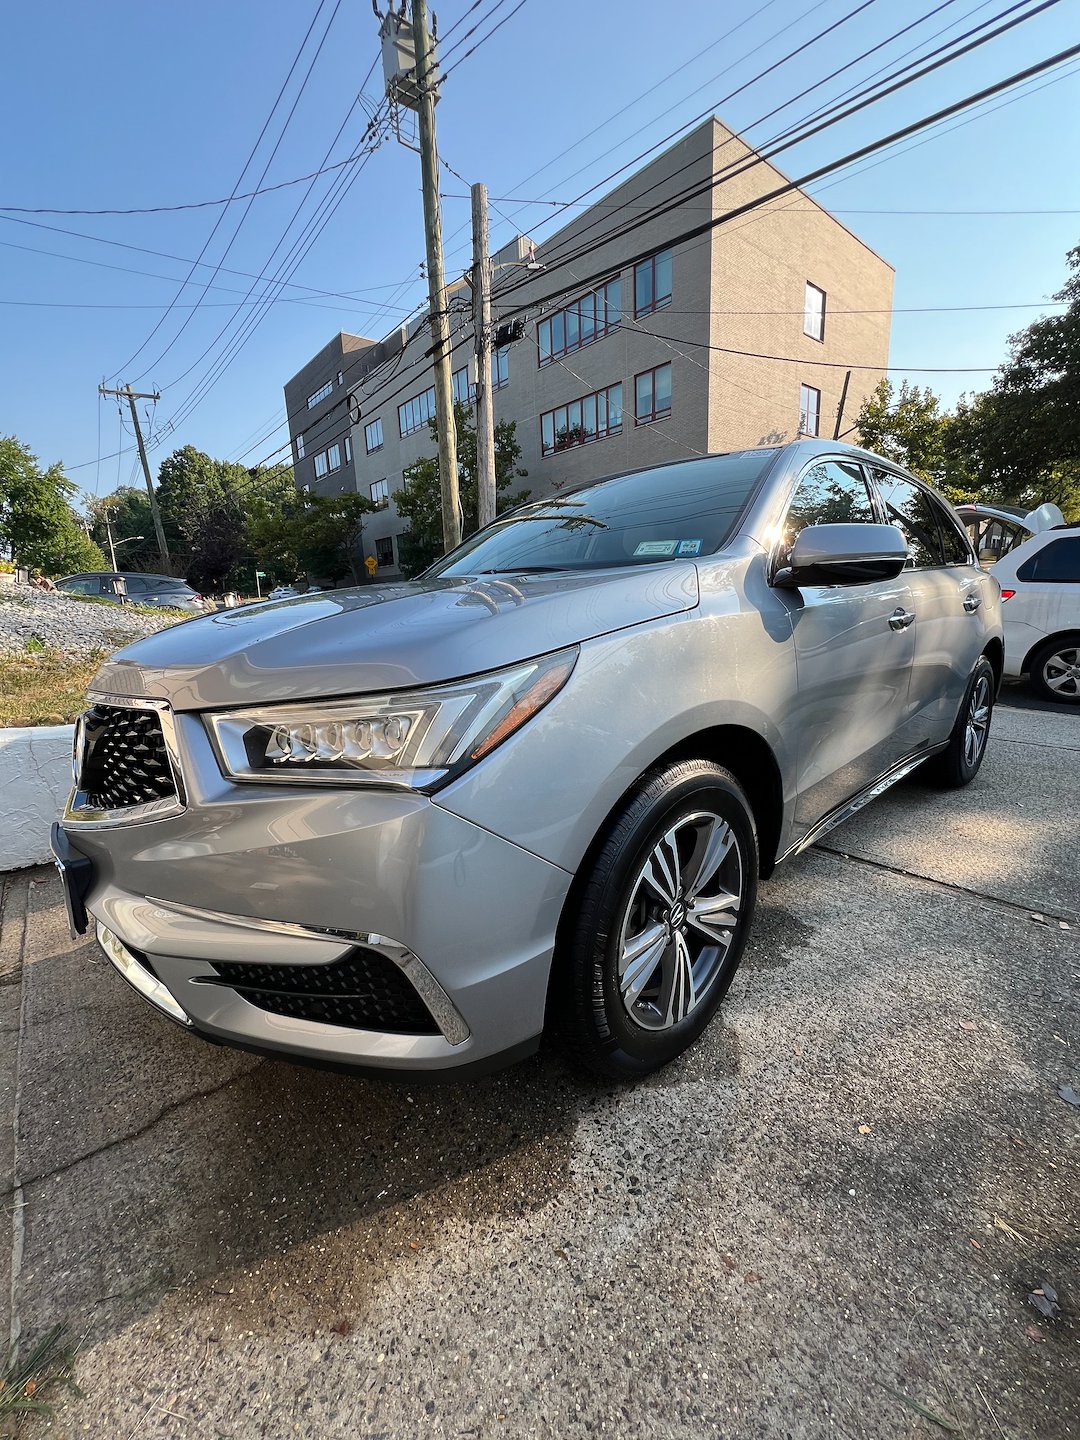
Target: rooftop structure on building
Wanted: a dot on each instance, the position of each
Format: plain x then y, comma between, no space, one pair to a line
638,345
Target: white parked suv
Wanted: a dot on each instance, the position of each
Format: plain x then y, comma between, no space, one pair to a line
1040,583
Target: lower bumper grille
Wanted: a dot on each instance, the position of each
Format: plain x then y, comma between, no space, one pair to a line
362,991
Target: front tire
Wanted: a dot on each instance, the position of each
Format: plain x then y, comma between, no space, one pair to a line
1055,670
960,761
662,921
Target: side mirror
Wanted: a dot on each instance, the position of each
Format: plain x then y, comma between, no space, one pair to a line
843,555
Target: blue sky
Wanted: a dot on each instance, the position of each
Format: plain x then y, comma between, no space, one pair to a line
158,106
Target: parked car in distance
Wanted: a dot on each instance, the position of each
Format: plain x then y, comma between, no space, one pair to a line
413,827
1040,590
282,592
995,529
136,588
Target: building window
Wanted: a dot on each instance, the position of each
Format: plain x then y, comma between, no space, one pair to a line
591,418
321,466
814,312
341,377
347,445
464,392
300,446
333,456
415,413
379,492
590,318
320,394
809,410
373,436
652,395
384,551
500,368
652,284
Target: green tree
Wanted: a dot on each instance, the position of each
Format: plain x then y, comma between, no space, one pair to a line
317,535
37,523
128,511
907,426
202,509
1020,440
420,503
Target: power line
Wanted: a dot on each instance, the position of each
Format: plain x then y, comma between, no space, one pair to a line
265,170
898,80
239,179
789,186
827,364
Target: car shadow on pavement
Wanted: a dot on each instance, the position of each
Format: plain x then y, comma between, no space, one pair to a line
151,1162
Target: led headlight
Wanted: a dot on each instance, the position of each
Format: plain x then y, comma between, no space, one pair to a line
414,739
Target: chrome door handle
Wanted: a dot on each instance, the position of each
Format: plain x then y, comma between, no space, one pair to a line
972,603
900,619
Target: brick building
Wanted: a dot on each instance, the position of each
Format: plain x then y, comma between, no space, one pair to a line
645,349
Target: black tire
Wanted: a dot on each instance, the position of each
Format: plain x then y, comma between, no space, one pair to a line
685,809
1055,660
960,761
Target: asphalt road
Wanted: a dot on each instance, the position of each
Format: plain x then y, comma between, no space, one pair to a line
827,1221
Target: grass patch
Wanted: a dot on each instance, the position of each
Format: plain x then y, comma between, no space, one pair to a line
46,688
28,1386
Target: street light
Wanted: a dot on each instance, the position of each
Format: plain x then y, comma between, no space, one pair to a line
113,544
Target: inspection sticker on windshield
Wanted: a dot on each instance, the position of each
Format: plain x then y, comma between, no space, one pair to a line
688,547
656,547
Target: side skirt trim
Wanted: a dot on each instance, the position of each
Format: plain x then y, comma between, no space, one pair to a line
855,804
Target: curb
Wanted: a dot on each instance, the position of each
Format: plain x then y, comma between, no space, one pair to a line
35,777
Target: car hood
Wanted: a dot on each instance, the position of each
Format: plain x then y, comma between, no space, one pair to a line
387,637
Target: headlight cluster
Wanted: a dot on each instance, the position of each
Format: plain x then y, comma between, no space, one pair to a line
414,739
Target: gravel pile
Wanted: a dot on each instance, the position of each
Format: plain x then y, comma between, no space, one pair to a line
73,627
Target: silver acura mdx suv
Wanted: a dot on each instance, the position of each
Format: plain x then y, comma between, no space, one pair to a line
412,826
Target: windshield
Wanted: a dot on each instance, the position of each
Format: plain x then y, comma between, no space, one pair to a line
673,512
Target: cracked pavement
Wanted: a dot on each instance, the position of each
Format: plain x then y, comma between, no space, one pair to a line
826,1221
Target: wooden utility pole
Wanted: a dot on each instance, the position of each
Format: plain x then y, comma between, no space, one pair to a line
485,418
131,396
427,83
840,407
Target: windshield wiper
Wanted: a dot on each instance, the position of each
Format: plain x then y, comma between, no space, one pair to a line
525,570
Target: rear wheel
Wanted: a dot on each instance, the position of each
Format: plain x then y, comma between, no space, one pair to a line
959,762
1055,670
662,922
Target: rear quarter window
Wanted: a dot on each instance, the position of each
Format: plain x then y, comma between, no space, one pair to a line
1056,563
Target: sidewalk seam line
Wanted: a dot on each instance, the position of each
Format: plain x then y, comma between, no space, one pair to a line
994,900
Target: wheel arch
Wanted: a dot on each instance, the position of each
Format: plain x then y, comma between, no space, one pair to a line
1070,633
748,756
995,653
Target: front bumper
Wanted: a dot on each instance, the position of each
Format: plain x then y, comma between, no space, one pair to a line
255,876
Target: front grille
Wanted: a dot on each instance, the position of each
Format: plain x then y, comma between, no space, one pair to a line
362,991
125,761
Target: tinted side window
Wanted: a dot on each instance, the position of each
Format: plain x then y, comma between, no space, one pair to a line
138,586
911,510
953,539
830,493
1058,563
81,585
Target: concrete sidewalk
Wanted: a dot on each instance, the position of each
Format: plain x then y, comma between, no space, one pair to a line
826,1221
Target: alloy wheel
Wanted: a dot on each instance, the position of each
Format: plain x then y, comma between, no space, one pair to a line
680,920
978,721
1061,672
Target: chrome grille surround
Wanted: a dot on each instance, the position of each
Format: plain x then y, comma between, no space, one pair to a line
98,805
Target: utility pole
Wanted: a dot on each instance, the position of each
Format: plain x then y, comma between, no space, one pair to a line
131,396
426,84
108,532
485,418
840,407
